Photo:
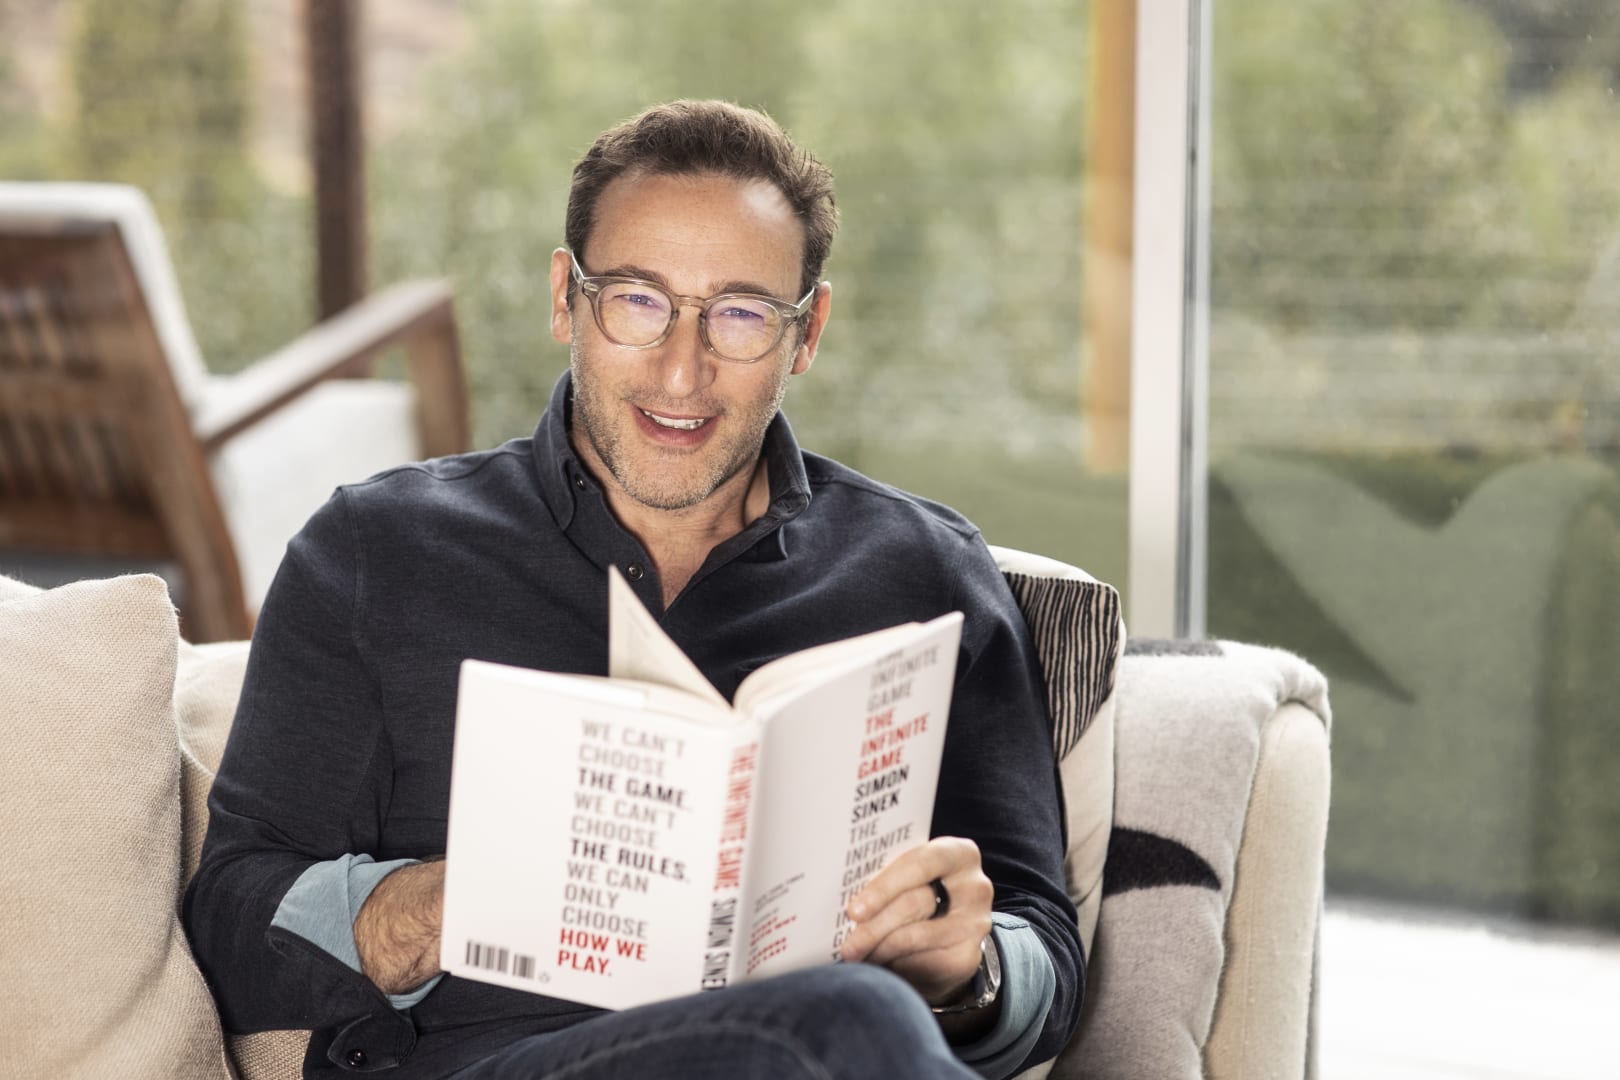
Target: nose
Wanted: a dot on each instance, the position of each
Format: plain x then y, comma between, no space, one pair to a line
685,364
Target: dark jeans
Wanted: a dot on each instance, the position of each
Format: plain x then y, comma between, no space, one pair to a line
835,1022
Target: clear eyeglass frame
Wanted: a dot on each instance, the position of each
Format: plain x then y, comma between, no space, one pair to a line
592,288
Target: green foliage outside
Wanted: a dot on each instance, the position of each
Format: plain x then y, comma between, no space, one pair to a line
955,139
1396,175
159,98
23,153
1372,171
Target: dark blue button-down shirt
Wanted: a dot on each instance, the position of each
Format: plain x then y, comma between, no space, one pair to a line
342,738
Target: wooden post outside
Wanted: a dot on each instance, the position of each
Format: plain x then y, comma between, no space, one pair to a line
1105,396
338,151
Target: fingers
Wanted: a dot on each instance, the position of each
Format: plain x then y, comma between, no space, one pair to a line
943,857
895,918
955,939
908,924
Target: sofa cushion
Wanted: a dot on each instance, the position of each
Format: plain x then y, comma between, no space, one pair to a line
206,686
1074,620
99,979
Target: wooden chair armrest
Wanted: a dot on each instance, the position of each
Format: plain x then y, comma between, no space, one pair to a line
416,314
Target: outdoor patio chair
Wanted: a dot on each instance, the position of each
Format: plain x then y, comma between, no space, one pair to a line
117,444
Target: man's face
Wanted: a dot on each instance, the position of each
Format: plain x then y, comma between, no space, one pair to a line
674,427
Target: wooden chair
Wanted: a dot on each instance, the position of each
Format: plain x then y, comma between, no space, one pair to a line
116,442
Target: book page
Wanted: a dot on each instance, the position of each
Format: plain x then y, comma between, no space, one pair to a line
638,648
584,837
847,776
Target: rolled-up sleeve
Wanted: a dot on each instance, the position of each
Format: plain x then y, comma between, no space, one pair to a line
301,783
1028,985
325,900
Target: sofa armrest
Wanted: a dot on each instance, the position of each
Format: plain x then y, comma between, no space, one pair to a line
1203,964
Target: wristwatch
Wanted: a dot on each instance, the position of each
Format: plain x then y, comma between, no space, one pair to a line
985,986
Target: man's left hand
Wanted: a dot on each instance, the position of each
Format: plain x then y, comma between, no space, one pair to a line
895,925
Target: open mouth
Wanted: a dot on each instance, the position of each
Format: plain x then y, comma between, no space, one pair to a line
676,425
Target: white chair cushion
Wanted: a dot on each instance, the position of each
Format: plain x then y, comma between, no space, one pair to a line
274,475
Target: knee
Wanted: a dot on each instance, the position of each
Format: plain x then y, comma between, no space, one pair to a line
854,997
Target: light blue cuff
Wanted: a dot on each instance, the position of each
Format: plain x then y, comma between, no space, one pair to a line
1028,985
322,905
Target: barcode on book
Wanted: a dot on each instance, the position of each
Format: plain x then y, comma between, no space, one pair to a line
499,958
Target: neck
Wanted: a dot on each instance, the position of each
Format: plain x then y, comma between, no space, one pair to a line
678,541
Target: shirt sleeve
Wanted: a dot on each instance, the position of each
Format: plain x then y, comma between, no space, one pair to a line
323,903
1027,988
304,779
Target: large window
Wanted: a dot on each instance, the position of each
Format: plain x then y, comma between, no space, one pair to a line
953,366
1415,426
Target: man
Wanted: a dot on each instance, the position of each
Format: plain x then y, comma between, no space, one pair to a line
689,294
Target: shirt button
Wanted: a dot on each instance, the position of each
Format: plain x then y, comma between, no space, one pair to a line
634,572
579,482
356,1058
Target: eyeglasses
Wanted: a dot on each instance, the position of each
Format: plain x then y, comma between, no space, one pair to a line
740,327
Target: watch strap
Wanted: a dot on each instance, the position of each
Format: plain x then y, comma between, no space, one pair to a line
986,983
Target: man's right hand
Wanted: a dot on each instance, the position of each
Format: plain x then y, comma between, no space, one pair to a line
397,930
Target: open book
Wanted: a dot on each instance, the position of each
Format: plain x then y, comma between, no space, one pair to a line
616,841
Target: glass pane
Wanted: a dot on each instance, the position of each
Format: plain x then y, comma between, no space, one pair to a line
952,362
1415,426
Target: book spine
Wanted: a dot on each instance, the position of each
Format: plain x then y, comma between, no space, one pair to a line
728,874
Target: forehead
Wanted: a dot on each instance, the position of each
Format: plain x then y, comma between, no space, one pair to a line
699,232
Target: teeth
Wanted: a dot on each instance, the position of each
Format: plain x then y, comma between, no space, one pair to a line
678,425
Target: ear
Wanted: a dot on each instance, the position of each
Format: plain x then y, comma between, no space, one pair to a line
562,322
815,322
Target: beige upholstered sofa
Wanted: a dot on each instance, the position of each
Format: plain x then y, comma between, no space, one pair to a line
1196,782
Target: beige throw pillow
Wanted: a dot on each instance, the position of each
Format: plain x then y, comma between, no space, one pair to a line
98,980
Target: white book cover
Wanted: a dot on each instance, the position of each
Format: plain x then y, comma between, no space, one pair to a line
616,841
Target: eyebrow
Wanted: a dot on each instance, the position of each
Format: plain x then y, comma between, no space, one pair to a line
630,270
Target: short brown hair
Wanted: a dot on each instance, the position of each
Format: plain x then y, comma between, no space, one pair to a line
684,138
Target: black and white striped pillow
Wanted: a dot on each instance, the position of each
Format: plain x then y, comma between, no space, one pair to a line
1075,622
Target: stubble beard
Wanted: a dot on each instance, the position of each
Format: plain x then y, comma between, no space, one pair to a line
652,486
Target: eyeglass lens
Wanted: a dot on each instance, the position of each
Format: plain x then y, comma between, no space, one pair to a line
738,328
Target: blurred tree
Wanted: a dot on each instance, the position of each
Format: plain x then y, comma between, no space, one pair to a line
24,146
1353,136
161,101
1372,170
1553,37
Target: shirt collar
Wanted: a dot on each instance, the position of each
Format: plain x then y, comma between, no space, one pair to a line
563,477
